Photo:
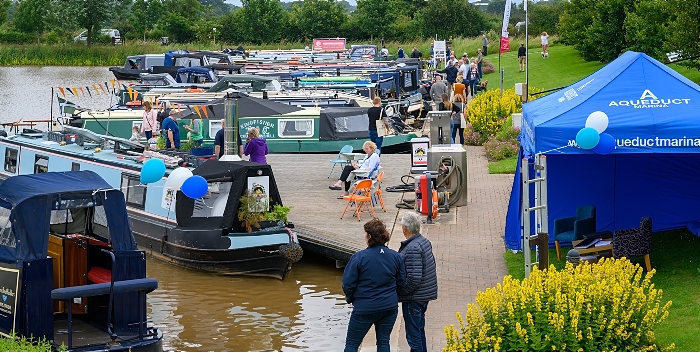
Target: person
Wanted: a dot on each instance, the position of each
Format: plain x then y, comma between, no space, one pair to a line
149,122
464,71
376,113
432,49
522,56
473,78
437,89
460,87
172,132
255,146
479,60
432,63
415,53
306,48
195,131
544,39
135,134
421,280
370,282
453,60
446,105
456,124
384,52
465,58
485,45
219,142
451,75
369,163
400,54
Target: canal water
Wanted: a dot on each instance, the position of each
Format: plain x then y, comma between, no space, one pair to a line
198,311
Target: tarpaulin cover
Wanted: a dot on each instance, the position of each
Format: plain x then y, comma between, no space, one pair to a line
236,172
31,198
343,123
652,114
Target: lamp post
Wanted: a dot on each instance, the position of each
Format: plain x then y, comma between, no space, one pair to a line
214,36
527,56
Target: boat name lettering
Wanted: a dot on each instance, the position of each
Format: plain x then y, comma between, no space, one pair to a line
8,292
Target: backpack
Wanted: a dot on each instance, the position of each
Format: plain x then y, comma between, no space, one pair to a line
162,115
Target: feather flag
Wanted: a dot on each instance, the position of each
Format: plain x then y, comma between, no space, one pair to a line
63,92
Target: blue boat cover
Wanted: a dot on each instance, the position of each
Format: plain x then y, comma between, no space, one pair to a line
31,198
652,115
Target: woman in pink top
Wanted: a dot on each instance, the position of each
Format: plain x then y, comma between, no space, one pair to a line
149,124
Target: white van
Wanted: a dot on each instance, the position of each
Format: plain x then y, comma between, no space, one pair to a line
112,33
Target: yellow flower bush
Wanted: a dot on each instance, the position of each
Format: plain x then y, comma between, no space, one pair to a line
608,306
488,112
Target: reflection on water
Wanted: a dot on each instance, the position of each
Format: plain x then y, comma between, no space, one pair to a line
26,90
196,311
206,312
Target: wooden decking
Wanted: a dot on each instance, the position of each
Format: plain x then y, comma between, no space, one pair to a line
303,184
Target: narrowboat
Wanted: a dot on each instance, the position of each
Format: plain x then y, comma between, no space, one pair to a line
70,270
203,234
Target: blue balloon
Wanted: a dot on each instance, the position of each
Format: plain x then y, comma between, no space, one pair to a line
606,144
587,138
195,187
152,171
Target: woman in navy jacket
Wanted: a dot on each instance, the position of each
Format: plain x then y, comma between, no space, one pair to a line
370,281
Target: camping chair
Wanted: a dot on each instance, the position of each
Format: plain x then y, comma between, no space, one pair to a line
377,191
340,159
575,227
360,197
630,243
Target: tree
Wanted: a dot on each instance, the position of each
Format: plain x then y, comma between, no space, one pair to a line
318,19
4,7
91,14
683,33
262,21
178,27
449,18
645,28
544,16
375,17
31,16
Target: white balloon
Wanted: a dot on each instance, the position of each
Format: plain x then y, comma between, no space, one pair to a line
177,178
598,120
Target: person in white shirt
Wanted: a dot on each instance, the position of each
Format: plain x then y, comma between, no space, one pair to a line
544,39
369,163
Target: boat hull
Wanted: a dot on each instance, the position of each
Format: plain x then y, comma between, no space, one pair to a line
149,344
124,74
207,250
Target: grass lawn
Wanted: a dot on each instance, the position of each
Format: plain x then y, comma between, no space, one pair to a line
505,166
677,263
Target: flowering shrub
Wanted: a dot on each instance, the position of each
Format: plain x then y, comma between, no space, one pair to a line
504,145
488,111
471,137
487,67
608,306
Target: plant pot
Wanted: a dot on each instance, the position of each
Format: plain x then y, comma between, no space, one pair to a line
264,224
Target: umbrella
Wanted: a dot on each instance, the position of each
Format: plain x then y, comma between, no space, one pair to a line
247,107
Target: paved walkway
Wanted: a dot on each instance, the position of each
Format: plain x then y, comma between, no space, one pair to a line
467,243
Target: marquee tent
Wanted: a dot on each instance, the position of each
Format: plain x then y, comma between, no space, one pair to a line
653,114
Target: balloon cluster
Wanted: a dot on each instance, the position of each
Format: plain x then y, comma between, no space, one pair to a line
193,186
592,136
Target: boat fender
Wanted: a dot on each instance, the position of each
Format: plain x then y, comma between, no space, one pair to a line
62,143
293,252
194,90
97,150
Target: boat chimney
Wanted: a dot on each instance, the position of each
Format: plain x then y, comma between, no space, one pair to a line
230,130
264,93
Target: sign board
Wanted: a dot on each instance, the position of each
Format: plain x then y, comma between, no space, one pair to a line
259,188
329,44
419,154
440,49
9,296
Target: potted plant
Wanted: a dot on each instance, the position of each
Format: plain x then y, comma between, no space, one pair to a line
252,217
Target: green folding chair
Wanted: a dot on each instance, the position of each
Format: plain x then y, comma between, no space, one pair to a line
340,159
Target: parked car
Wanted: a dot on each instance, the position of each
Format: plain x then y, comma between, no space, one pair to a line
113,34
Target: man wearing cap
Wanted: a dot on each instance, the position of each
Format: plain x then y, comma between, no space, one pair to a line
172,132
421,280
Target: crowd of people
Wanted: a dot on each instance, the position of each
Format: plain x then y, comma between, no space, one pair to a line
378,278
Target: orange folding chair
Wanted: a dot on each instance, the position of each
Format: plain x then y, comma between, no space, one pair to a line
360,196
377,190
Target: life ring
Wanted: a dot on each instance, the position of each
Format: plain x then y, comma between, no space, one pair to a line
296,57
292,62
194,90
134,103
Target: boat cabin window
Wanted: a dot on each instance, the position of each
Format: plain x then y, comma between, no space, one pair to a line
11,160
7,238
214,202
353,123
75,167
297,128
134,192
41,164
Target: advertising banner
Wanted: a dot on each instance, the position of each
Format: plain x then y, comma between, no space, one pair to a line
329,44
9,296
505,43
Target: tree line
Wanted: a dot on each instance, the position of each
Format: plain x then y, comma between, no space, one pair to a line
599,29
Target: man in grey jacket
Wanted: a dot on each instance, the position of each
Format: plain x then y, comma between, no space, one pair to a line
421,281
437,90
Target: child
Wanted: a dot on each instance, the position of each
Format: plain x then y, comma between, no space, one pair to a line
136,135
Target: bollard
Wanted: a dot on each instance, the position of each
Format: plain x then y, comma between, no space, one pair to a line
573,257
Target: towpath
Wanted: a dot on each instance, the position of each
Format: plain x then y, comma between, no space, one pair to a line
467,242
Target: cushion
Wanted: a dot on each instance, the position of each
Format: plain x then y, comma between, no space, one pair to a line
567,236
99,275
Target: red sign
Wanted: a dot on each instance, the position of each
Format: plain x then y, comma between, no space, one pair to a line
505,45
334,44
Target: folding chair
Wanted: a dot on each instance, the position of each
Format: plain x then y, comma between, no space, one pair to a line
377,190
340,159
360,196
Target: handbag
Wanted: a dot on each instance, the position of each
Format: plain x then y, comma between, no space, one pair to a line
383,128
